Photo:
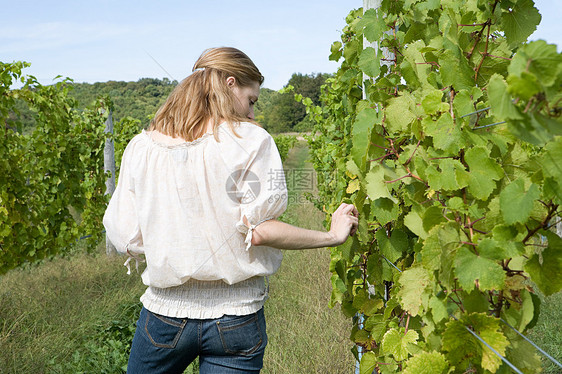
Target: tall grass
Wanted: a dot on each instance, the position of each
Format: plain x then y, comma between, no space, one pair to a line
305,336
48,313
547,333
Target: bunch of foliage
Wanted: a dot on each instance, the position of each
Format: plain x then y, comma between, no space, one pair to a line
52,182
450,147
284,144
281,113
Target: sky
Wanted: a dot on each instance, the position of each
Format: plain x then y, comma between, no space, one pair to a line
125,40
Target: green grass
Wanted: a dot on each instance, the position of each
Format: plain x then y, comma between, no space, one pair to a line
305,336
50,312
547,333
73,312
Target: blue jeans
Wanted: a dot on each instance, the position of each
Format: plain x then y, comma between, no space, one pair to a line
226,345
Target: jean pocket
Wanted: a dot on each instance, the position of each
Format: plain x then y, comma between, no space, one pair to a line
163,332
241,335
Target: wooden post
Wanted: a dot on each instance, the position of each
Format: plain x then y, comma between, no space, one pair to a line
109,165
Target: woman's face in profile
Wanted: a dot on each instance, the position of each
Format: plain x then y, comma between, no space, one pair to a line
246,98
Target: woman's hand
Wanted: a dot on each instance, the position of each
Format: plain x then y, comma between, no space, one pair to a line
344,223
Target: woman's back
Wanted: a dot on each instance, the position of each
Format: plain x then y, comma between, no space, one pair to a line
189,199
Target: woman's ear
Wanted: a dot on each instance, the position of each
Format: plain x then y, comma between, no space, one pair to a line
230,82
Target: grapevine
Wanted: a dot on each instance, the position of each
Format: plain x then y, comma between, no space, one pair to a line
52,183
451,151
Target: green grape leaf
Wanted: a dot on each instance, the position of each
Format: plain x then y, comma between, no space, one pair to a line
414,222
368,363
535,128
539,59
520,22
493,250
399,113
523,356
351,49
438,309
524,86
385,210
500,99
445,133
375,186
362,127
394,247
516,204
432,217
452,175
432,103
461,345
470,267
441,243
414,291
552,169
463,103
396,343
369,62
377,325
455,71
546,274
497,340
336,51
475,302
483,172
427,363
550,160
373,25
520,316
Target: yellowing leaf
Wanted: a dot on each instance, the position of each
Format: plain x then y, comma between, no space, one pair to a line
427,363
352,186
375,186
414,290
396,343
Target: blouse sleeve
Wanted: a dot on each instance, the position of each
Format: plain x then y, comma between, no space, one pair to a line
120,219
261,186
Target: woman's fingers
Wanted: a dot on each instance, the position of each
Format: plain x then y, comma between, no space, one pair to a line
345,221
347,208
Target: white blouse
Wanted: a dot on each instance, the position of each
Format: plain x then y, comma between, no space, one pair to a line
182,206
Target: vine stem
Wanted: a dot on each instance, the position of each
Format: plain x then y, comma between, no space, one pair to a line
381,158
452,97
407,323
379,146
489,55
543,224
477,38
428,63
410,159
485,51
473,24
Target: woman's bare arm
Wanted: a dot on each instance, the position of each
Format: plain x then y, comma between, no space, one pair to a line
277,234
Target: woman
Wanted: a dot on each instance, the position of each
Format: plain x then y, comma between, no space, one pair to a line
199,194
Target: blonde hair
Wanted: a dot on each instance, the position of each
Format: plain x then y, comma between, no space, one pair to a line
204,95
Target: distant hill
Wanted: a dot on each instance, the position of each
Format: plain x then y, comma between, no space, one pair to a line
141,99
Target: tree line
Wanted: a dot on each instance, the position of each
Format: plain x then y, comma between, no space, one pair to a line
276,111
